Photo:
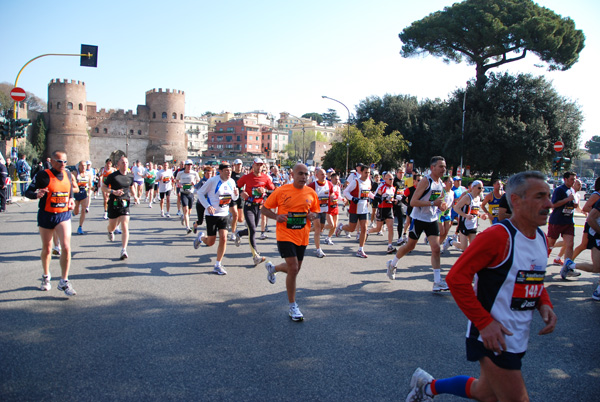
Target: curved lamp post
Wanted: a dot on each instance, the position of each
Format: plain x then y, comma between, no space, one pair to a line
348,124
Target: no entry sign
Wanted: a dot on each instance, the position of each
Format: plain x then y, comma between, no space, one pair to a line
18,94
558,146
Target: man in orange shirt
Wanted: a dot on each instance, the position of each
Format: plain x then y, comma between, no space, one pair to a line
296,205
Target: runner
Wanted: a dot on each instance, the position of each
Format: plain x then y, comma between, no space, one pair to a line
186,179
236,206
491,202
254,185
445,221
84,180
54,190
149,183
408,195
324,189
200,210
165,185
426,202
106,170
458,192
216,195
117,185
386,192
397,201
177,189
469,211
334,210
296,206
138,172
359,192
509,260
92,173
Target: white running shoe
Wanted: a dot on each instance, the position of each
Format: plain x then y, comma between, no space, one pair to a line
55,250
568,270
162,213
263,236
179,213
118,231
271,272
258,259
440,286
446,245
66,287
182,220
295,313
391,250
111,236
237,239
418,384
391,270
319,253
150,205
338,230
124,254
45,283
219,270
198,240
328,241
361,254
105,217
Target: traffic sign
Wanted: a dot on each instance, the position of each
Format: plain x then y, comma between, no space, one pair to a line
558,146
18,94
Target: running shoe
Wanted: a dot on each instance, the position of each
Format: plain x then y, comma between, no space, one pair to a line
328,241
399,242
263,236
55,250
357,235
238,239
162,214
118,231
380,233
198,240
124,254
179,213
426,242
338,230
66,287
87,210
219,270
348,235
258,259
446,245
391,270
558,261
319,253
596,295
149,205
182,220
568,270
295,313
79,230
111,236
45,286
418,384
440,286
105,217
168,215
361,254
188,230
267,228
231,237
271,273
391,250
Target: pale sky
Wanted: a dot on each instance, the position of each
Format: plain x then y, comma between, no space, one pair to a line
275,56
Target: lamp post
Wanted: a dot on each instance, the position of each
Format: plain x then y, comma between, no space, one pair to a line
462,142
348,124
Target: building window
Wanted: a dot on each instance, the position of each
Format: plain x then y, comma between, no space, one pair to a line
154,115
174,115
181,116
239,137
81,106
105,131
228,138
275,136
57,105
131,132
164,115
69,105
96,130
139,132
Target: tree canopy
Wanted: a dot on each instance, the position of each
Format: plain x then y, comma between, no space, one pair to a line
331,117
593,145
314,116
490,33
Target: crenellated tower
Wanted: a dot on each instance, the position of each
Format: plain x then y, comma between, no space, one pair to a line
67,114
166,126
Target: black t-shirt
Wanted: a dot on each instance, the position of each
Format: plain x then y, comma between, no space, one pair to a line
503,203
118,181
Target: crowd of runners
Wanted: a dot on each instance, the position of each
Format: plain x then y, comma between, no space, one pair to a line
509,259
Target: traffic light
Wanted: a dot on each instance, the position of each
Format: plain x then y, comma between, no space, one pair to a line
556,164
20,127
565,163
5,127
91,56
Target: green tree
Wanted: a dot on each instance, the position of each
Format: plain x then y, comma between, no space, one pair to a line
314,116
359,148
593,145
389,147
38,136
331,117
490,33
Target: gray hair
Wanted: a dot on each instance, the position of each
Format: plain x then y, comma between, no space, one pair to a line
517,184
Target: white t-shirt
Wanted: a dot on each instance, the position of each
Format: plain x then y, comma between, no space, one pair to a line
138,173
165,178
187,180
218,194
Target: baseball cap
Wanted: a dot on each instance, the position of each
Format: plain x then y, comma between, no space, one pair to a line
330,170
457,178
237,161
88,162
188,162
258,160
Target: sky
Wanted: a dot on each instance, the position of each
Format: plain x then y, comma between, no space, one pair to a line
275,56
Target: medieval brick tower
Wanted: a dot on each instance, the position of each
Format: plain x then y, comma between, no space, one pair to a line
67,114
166,126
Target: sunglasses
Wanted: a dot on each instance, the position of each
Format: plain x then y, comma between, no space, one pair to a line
60,161
479,188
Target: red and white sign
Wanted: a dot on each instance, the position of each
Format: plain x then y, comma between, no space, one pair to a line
558,146
18,94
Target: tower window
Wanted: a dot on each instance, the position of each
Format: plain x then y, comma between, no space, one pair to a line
81,106
105,131
139,132
58,105
154,115
174,115
164,115
181,116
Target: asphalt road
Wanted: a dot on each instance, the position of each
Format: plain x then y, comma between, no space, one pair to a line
160,326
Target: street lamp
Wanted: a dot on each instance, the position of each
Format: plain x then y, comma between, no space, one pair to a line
348,124
462,142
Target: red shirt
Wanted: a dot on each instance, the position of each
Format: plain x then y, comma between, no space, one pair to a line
251,182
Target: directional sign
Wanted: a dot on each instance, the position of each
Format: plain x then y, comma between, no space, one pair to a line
558,146
18,94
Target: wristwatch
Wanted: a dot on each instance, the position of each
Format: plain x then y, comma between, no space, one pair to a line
431,203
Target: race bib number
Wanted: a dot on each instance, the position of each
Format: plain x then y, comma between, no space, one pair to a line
323,201
435,195
296,220
59,199
568,211
475,211
495,210
364,194
529,286
224,200
166,179
256,192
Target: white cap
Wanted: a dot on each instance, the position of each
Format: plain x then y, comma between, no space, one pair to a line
237,161
188,162
258,160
